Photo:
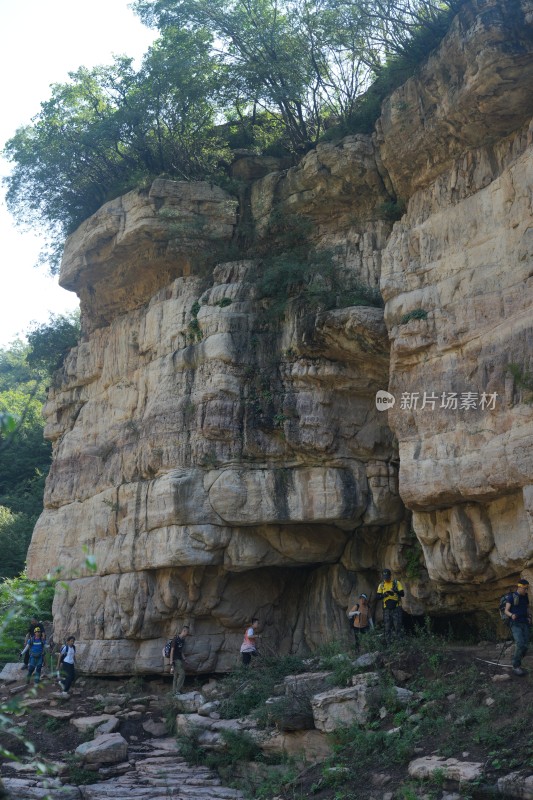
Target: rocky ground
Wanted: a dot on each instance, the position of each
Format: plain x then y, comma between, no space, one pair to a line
416,722
106,739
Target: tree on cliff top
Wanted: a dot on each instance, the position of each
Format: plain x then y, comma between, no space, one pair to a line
109,129
295,66
309,60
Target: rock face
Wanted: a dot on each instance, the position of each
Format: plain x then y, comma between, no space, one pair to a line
220,465
457,278
214,479
138,243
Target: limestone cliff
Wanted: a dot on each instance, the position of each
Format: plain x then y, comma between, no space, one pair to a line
219,464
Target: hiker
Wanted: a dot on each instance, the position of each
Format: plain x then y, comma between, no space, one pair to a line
66,660
35,647
391,593
34,623
517,609
361,619
249,646
177,664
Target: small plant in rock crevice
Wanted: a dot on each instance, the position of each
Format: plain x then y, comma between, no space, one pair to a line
523,380
76,773
223,302
416,313
195,331
293,271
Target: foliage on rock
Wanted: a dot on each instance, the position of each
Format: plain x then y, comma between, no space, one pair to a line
281,74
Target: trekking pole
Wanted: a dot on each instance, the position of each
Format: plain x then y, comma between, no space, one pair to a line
506,643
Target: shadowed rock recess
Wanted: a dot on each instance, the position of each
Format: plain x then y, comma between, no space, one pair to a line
220,461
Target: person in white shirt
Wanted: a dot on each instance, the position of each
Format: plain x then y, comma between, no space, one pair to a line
249,644
67,660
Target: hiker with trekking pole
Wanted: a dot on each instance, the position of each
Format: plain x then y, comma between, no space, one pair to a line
360,618
517,612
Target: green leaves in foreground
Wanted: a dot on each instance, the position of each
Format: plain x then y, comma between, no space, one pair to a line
21,599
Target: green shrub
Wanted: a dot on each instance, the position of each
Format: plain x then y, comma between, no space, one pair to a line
414,557
224,302
76,773
392,209
523,379
417,313
248,688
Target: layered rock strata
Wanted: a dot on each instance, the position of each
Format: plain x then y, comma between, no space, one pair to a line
206,465
218,464
457,278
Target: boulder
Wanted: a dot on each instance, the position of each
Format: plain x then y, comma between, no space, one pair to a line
307,683
109,726
206,709
109,748
516,786
309,746
84,724
450,768
188,702
156,729
340,707
11,673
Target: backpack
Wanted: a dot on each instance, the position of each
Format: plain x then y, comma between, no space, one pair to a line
167,648
501,606
64,652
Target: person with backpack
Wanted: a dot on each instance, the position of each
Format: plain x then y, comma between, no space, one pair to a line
66,660
249,645
517,612
35,648
34,623
177,664
390,592
361,619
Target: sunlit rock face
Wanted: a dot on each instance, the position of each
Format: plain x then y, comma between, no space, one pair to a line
215,467
138,243
458,280
218,464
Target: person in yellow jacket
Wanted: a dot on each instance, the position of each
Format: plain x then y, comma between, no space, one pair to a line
390,592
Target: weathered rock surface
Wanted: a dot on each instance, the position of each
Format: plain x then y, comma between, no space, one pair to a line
450,768
136,244
472,91
11,673
108,748
308,746
457,280
219,466
85,724
517,785
209,479
154,770
338,707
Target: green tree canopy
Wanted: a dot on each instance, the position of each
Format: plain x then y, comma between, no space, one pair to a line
49,342
25,369
110,128
270,66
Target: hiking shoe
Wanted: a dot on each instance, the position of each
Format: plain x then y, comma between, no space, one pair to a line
519,671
